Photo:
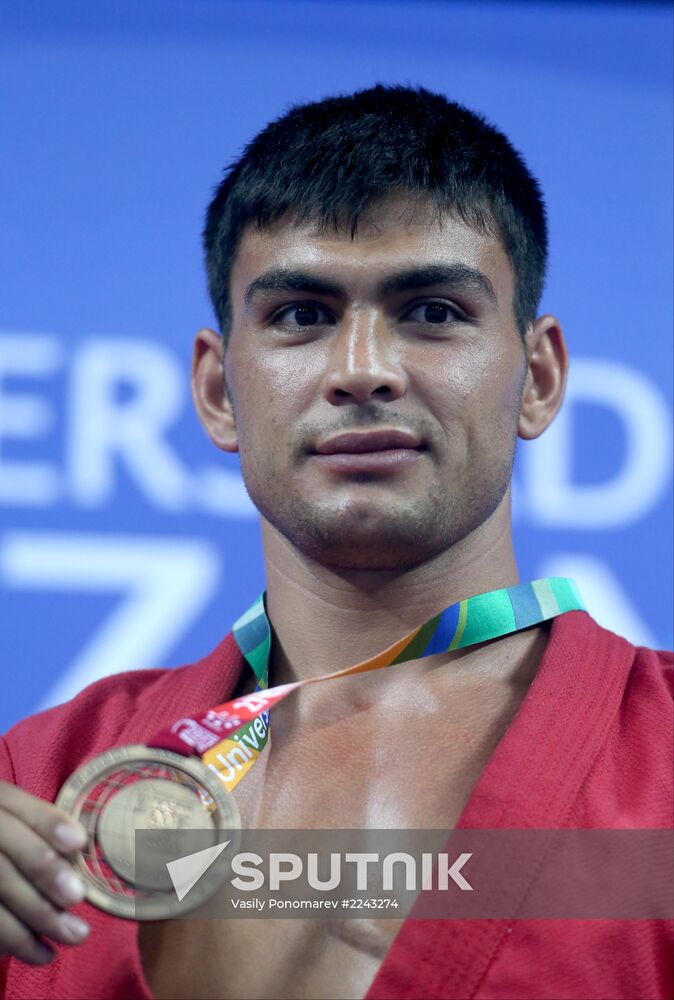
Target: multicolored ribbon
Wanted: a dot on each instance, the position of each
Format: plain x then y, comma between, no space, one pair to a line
231,737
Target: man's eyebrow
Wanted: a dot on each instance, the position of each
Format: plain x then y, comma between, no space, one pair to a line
459,276
283,280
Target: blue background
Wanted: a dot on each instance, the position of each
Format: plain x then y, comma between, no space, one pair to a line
117,120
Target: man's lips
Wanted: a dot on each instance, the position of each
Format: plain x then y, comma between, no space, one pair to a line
369,442
381,452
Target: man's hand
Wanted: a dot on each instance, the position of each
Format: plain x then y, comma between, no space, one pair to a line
36,882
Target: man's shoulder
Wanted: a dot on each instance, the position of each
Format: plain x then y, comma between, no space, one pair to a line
659,662
41,751
651,688
651,668
644,664
89,721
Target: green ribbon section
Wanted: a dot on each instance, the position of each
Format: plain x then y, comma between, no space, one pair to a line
466,623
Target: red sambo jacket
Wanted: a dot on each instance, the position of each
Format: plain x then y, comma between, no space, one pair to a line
590,747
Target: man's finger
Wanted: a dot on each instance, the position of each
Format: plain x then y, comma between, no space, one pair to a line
35,912
19,942
37,862
54,826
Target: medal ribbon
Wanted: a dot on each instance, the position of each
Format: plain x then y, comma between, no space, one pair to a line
230,737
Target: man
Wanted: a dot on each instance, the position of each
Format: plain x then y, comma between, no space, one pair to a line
375,262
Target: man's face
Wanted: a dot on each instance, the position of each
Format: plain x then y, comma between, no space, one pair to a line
333,337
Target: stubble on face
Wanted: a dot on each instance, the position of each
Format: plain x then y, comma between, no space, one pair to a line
356,532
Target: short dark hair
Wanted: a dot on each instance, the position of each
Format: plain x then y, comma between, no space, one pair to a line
328,159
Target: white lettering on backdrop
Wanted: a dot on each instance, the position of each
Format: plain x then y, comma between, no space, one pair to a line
120,398
554,500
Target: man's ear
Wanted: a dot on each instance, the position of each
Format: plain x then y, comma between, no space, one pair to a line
547,367
209,391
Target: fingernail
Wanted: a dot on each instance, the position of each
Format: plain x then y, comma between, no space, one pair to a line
73,926
70,887
69,837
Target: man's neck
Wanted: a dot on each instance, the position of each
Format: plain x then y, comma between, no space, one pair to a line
325,619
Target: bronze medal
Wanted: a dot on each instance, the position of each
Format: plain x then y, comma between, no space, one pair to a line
141,788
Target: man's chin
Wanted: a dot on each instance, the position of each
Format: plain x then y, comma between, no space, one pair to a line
359,560
378,548
363,535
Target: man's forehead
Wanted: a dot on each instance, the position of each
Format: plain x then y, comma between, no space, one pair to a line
393,233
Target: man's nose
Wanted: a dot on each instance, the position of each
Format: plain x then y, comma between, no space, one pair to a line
364,364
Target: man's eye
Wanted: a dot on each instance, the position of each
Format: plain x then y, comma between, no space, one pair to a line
433,312
306,315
